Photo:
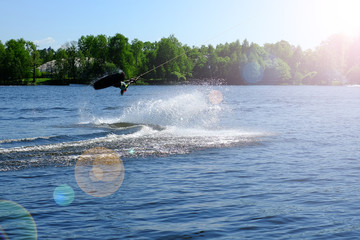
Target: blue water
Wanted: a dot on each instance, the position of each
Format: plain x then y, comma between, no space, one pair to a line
268,162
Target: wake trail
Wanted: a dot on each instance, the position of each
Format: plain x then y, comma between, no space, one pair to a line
175,124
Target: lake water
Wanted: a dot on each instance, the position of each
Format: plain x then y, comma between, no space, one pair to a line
258,162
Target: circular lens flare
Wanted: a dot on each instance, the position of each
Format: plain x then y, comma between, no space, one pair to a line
64,195
16,222
252,72
215,97
99,172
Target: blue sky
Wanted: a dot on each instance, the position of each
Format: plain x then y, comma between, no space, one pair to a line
194,22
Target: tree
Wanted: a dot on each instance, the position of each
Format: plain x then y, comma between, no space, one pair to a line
245,47
138,53
35,60
187,63
353,76
61,65
201,68
17,63
295,60
2,60
236,50
237,60
334,61
211,54
252,73
166,52
72,59
101,49
277,72
47,54
353,54
149,58
282,50
308,62
172,56
120,53
88,68
198,61
331,58
252,63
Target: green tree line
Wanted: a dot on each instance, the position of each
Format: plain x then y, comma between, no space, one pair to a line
335,61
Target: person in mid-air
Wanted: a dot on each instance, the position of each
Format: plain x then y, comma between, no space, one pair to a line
115,80
124,85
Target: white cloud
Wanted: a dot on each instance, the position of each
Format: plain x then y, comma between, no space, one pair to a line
45,43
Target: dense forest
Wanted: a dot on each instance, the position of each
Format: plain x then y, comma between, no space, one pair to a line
336,61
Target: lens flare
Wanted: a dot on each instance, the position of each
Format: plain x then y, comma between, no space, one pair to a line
64,195
252,72
96,174
3,235
215,97
99,172
131,151
16,222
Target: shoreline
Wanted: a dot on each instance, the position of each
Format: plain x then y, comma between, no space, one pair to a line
189,84
166,82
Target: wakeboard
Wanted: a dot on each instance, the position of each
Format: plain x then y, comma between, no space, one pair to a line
109,81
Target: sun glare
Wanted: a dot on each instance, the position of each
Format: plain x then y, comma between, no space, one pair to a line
341,16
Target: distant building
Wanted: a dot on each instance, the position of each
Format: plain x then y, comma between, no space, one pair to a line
47,67
50,67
